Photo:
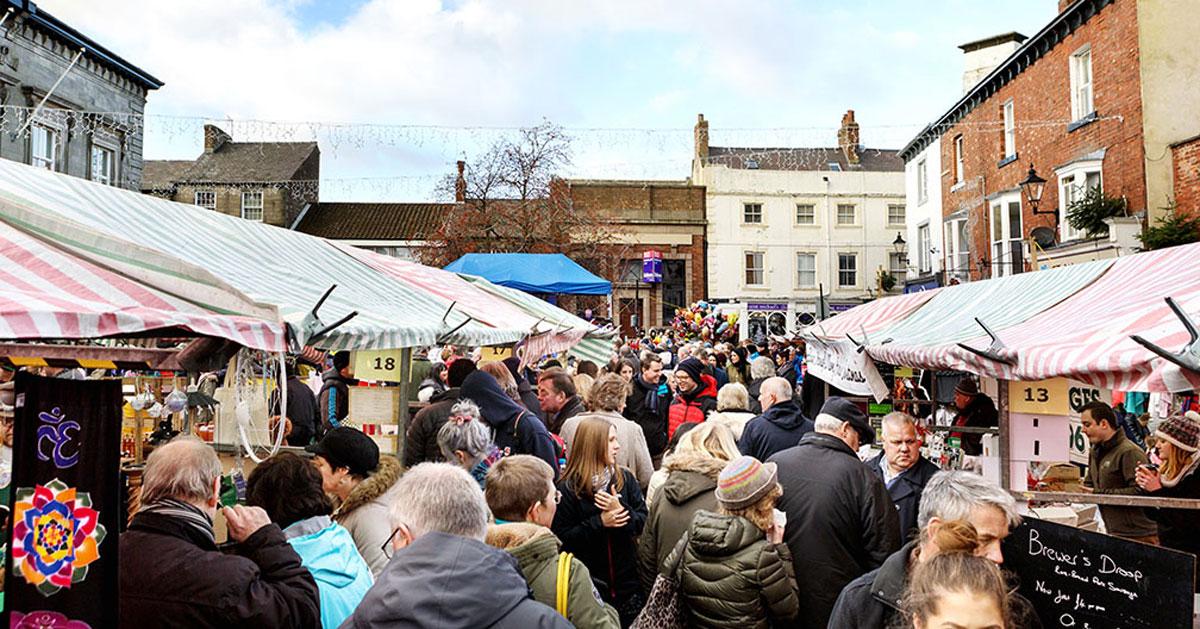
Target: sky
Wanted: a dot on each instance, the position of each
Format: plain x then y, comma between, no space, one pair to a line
395,91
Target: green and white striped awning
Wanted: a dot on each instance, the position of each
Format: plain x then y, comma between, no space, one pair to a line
229,265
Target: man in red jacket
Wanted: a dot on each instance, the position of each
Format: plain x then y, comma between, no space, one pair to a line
696,398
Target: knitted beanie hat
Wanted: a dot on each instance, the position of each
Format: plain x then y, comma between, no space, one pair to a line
744,481
1181,430
693,368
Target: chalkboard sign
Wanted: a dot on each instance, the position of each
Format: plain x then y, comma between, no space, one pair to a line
1077,578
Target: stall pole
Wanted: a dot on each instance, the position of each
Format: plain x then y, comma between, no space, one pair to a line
1005,467
402,421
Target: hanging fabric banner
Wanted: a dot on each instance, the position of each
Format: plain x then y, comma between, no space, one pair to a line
65,503
841,365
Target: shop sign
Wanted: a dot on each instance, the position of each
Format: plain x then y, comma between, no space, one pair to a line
652,267
841,365
753,307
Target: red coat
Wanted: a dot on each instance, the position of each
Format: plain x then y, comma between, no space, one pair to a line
694,406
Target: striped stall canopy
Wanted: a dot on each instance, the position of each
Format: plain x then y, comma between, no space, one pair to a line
1086,337
871,316
927,338
230,265
46,293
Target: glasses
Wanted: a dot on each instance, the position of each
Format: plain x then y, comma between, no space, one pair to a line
387,544
557,496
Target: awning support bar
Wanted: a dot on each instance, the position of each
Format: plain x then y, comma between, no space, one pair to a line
1187,358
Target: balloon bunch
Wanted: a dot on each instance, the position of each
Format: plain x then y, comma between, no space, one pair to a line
703,322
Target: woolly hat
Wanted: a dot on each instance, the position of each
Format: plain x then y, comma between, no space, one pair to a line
744,481
967,386
844,410
693,368
1181,430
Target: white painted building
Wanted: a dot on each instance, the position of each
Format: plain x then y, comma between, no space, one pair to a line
927,236
793,229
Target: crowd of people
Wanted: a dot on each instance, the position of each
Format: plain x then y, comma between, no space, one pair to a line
586,495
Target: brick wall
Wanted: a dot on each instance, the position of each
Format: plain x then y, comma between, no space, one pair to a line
1042,105
1185,159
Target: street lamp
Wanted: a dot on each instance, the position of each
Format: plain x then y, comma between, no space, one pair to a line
898,245
1033,186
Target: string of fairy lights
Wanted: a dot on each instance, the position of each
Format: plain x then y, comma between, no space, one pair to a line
598,152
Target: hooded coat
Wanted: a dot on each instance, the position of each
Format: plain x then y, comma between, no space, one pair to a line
333,402
840,520
777,429
364,512
690,487
442,580
420,442
693,406
516,430
525,389
731,576
536,550
328,551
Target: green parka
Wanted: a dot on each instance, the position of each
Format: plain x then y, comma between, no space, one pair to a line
730,576
536,550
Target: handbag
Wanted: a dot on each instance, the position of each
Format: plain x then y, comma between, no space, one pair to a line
563,586
664,608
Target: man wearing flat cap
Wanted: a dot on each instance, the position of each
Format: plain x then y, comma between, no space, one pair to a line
840,521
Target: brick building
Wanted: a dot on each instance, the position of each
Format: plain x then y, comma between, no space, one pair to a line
270,182
1094,99
664,216
66,134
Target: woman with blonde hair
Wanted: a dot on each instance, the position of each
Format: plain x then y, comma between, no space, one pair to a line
733,408
583,387
957,587
601,514
686,486
1177,442
606,400
504,377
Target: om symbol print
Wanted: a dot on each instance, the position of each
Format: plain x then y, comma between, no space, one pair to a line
55,435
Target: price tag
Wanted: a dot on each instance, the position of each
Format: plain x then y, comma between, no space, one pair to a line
377,365
1044,397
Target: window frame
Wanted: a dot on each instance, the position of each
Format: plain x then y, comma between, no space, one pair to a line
897,268
761,269
812,214
924,244
853,214
1082,77
56,134
853,257
960,169
1001,250
1010,129
922,182
746,205
196,199
261,205
1067,189
903,215
800,284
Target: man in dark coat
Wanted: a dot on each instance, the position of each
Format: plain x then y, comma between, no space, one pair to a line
301,410
558,398
517,431
171,571
975,410
444,575
840,520
875,600
420,441
902,468
525,388
333,402
780,426
648,404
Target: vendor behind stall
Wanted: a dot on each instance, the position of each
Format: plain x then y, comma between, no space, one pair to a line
975,410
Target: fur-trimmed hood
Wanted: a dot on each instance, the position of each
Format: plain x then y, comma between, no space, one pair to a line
694,462
690,474
374,486
512,535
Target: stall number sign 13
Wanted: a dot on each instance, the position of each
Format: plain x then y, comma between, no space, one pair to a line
1044,397
379,365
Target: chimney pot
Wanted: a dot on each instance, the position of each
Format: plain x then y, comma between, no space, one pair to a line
848,138
214,138
701,136
460,183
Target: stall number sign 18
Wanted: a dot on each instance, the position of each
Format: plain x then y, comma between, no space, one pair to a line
377,365
1044,397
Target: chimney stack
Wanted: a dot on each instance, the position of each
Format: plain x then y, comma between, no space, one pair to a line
982,56
701,137
460,183
214,138
848,138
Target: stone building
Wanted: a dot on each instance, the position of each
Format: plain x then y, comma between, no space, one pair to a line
90,125
270,182
399,230
1102,97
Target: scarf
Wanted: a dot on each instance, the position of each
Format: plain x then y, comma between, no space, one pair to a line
601,481
191,515
1193,462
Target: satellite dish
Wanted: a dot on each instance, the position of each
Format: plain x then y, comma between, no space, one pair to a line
1043,236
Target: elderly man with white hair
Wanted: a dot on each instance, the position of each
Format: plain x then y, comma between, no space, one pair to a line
874,600
902,468
442,573
840,520
779,427
171,571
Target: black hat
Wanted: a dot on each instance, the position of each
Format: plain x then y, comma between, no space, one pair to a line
844,410
693,368
349,448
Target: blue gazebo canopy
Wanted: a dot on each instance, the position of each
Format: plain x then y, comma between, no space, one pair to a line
544,273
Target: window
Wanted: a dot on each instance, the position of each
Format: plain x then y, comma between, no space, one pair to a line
845,214
924,245
754,268
43,146
104,162
1081,84
631,271
896,215
922,183
806,270
835,167
752,213
1010,131
806,214
1007,244
847,270
206,199
958,159
252,206
1074,182
897,267
958,248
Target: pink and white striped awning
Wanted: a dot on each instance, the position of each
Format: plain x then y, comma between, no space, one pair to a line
46,293
871,316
